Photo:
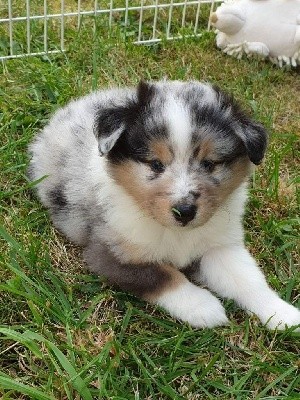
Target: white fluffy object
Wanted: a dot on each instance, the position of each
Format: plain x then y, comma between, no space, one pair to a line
266,28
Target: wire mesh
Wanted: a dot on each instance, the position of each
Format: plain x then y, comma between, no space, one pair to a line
36,27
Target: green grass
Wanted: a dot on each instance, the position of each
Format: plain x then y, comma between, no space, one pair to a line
63,333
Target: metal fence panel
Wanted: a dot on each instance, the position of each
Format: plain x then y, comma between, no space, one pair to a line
36,27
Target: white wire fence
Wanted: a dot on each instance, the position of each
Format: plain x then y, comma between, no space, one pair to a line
37,27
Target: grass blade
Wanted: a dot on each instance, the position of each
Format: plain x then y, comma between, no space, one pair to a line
6,382
275,381
23,339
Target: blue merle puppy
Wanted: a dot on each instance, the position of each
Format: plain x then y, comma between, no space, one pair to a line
152,182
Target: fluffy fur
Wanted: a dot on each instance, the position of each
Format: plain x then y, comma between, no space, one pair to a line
152,182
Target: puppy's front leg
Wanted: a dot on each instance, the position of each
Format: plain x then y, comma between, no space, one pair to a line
232,272
161,284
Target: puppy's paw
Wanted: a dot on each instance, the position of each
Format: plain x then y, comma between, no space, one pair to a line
194,305
283,315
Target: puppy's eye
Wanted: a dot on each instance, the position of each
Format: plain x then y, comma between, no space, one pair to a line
208,165
157,166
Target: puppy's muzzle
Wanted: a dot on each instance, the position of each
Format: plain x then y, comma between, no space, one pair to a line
184,213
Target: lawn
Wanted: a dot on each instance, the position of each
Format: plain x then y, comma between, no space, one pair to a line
65,334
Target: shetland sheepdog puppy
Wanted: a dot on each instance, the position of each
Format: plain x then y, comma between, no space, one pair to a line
152,182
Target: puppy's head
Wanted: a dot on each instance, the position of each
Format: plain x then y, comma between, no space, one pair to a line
179,149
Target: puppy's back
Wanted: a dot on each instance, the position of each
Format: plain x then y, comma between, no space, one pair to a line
65,155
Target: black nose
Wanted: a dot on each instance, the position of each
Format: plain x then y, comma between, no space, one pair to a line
184,213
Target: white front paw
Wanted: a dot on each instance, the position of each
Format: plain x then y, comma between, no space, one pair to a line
194,305
283,315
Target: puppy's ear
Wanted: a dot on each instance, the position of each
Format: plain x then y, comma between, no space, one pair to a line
255,139
253,135
109,126
145,93
112,122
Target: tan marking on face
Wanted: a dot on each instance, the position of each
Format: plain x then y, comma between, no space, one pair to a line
240,170
204,150
125,174
175,279
161,151
213,196
150,195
